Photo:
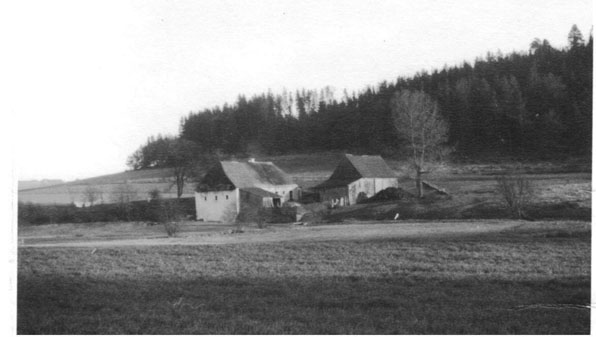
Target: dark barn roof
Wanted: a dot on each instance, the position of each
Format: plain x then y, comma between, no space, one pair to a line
234,174
352,168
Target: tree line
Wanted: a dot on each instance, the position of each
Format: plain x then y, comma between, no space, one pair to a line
529,104
157,210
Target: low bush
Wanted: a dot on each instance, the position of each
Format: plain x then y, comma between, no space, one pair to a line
171,228
252,214
516,192
263,215
390,193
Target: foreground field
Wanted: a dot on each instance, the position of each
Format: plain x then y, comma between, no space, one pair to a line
495,277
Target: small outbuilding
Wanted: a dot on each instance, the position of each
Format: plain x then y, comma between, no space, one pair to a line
356,178
230,186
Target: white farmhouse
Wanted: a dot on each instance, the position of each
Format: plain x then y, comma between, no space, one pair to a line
356,177
231,185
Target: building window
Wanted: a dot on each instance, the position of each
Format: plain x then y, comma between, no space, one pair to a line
226,197
205,198
216,198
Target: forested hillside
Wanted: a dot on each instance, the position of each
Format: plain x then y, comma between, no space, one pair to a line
533,104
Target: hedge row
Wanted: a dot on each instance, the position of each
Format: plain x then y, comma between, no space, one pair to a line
154,210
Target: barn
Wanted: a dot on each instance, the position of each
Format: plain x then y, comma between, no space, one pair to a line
356,177
230,186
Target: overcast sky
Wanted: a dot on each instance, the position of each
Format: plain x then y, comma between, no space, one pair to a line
91,80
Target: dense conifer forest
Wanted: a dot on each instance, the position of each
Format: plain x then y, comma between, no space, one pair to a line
534,104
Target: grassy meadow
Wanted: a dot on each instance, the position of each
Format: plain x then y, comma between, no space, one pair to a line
562,196
532,278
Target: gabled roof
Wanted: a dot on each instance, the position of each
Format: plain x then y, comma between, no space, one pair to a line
371,166
254,173
352,168
260,192
245,174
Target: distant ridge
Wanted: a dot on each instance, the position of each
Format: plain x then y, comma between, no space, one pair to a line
28,184
141,182
158,174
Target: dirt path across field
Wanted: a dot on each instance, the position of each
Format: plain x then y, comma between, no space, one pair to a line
221,235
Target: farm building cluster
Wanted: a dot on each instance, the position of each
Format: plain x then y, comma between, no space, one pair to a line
229,187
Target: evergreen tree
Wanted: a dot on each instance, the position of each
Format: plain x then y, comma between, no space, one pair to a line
575,37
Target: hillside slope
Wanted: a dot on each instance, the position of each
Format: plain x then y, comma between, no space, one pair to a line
140,183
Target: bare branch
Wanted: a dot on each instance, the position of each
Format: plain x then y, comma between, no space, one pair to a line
418,122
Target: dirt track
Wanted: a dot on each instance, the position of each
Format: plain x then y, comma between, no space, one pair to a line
221,235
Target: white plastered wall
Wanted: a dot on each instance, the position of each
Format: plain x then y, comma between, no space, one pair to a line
220,206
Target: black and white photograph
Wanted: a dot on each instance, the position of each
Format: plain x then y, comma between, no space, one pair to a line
277,167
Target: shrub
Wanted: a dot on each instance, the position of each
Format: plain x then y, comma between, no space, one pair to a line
390,193
166,212
361,198
253,214
260,215
171,228
516,192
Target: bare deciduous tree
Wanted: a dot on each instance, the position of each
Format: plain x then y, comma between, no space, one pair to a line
516,191
166,212
419,124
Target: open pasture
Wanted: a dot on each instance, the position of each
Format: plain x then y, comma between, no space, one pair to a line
496,277
560,196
